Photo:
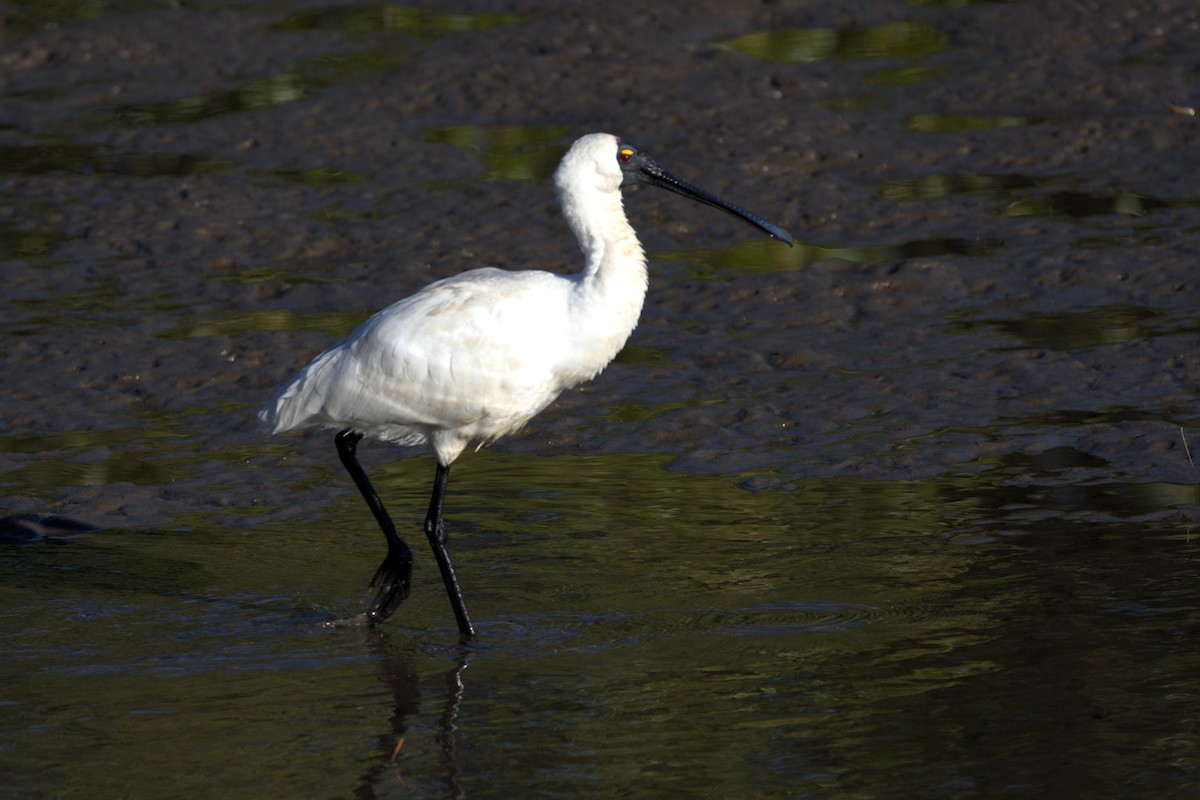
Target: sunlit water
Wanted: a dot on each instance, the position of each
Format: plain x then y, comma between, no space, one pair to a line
640,634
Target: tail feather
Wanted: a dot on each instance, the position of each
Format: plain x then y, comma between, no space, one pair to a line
300,402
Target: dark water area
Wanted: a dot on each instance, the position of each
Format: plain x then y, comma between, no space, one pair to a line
908,510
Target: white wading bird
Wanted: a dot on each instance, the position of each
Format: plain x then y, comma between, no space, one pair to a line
474,357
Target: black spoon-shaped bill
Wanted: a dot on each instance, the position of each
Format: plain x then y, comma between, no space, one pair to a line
638,167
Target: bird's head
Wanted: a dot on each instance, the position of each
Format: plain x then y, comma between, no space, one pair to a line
603,162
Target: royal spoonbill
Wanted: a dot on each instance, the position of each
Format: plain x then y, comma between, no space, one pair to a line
474,357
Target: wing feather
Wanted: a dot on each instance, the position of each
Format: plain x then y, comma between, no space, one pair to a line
475,352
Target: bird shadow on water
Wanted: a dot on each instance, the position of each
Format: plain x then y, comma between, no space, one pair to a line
98,560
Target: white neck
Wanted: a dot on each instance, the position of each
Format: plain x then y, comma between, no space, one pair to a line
608,294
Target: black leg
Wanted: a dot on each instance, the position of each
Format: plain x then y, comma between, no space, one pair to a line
394,576
435,529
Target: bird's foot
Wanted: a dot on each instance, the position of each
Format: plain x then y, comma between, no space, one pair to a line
394,579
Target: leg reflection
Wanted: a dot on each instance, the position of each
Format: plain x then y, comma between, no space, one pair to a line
397,670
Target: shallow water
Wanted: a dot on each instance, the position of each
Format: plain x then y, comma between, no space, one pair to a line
909,510
640,632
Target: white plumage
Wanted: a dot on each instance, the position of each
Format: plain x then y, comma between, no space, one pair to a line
474,357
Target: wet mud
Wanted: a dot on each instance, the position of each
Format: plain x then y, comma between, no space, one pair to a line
198,199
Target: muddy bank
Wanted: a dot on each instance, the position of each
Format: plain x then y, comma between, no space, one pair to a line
198,200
